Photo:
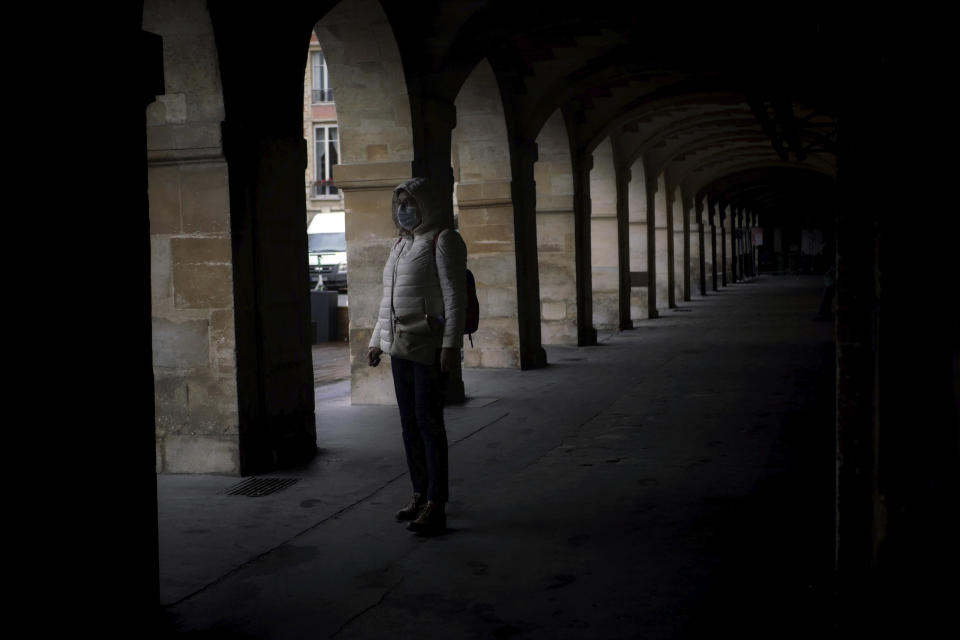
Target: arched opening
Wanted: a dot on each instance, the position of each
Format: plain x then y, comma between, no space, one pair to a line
603,239
483,210
556,251
326,225
365,75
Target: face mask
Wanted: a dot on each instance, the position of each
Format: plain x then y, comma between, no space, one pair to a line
407,217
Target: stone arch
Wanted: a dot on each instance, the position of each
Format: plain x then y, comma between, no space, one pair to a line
556,253
376,151
480,156
192,289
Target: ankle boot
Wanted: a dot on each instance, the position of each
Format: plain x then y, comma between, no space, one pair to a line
411,511
432,519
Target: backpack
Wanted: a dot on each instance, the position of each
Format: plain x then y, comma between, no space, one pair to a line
473,304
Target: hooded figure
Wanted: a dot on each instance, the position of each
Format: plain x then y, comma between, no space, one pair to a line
424,282
420,325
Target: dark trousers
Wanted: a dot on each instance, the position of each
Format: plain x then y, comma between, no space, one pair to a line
421,391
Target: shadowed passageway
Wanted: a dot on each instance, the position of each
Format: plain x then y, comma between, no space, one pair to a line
674,481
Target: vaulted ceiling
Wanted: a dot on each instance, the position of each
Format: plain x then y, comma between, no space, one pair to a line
739,104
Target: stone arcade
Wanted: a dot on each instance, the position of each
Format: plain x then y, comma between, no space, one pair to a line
606,163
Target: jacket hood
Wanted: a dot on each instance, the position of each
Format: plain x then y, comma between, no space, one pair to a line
421,190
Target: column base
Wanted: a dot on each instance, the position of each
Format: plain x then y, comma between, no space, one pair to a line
535,358
587,337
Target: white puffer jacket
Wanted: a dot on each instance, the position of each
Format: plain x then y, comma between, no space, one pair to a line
416,282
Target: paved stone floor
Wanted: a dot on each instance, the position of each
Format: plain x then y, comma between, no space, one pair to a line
673,482
331,362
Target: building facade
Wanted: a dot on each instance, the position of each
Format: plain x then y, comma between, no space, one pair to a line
322,135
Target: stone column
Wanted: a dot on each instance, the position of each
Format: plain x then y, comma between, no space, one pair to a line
672,275
712,209
722,212
731,245
370,233
637,209
582,164
274,363
735,228
681,240
702,244
744,244
737,239
524,193
663,255
623,178
652,244
692,245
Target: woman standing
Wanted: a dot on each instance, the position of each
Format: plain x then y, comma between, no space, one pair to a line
420,325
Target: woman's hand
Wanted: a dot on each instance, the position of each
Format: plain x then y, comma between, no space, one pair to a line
373,356
448,359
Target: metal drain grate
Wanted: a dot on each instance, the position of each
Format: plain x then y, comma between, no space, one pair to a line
256,487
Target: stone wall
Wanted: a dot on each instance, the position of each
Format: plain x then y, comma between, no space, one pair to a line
197,426
482,179
603,239
556,251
